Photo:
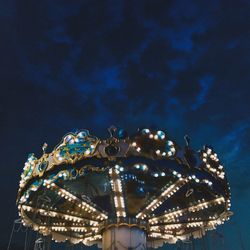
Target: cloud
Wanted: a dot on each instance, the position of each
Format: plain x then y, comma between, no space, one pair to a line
205,85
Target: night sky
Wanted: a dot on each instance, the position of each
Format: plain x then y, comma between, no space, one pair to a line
182,66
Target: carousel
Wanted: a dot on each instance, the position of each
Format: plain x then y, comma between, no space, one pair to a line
125,191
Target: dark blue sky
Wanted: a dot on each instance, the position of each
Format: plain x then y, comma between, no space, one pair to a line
179,65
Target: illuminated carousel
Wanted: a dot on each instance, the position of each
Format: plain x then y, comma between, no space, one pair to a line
123,192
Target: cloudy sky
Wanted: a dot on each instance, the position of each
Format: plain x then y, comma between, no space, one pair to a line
179,65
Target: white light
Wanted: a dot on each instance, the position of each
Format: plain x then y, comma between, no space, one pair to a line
209,151
166,194
161,134
172,149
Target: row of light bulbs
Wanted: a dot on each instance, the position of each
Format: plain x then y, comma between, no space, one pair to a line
116,185
158,152
60,227
173,216
158,135
209,155
81,204
28,166
178,175
211,224
167,193
64,216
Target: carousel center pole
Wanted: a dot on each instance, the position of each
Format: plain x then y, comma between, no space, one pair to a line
123,237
